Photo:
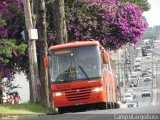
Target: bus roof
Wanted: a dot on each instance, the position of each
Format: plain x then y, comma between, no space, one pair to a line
74,44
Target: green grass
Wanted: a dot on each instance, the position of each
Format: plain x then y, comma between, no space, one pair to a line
24,109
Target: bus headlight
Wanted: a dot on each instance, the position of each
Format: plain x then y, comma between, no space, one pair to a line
97,89
57,94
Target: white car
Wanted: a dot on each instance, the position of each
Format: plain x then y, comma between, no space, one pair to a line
149,53
149,57
127,97
133,78
131,91
147,78
146,93
132,103
148,70
138,59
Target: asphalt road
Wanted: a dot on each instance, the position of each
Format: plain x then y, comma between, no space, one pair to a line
101,114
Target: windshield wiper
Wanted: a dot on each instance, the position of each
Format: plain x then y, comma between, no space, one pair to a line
84,72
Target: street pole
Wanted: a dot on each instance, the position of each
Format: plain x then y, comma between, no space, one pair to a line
113,83
156,69
32,53
119,75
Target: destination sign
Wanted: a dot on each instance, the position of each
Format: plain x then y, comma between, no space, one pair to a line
63,52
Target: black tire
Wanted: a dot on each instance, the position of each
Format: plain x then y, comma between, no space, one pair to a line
109,105
102,106
113,106
61,110
116,105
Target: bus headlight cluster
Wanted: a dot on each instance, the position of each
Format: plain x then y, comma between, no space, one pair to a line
97,89
57,94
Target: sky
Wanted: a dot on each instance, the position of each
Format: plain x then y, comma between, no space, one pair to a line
20,79
23,90
153,15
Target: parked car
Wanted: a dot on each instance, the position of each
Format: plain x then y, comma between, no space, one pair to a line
132,103
146,93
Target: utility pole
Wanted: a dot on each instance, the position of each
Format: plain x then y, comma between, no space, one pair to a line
113,83
119,75
32,52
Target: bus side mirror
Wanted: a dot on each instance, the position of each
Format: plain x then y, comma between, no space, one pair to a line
46,61
105,57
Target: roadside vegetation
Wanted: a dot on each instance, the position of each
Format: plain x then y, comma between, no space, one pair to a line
24,109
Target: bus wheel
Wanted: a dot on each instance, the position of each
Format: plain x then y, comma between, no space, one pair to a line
117,105
109,105
112,104
61,110
102,106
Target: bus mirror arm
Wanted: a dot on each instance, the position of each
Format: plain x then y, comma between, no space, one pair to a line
105,57
46,61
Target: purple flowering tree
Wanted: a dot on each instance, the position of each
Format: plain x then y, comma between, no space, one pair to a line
11,12
111,22
11,45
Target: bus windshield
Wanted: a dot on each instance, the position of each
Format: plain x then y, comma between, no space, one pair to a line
72,64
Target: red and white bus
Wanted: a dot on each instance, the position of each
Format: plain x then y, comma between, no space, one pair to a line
80,75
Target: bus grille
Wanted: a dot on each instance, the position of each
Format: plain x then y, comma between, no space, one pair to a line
78,94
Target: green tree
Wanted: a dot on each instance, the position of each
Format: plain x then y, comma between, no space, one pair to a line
12,47
152,32
142,3
8,49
